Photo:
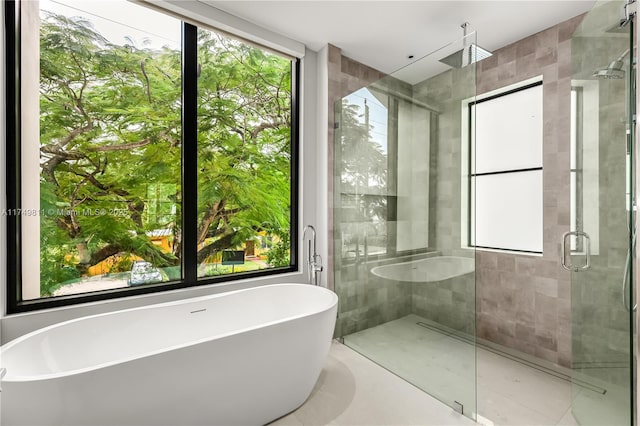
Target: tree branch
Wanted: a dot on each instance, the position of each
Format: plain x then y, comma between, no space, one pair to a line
74,134
65,155
265,126
151,253
209,217
95,182
216,246
126,146
146,77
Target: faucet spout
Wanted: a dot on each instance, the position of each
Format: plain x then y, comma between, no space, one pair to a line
314,261
313,236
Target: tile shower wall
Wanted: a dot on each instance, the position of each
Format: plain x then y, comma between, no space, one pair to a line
524,302
345,76
601,330
446,91
365,300
450,303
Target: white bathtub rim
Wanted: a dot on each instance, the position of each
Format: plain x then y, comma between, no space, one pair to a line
8,378
420,261
427,258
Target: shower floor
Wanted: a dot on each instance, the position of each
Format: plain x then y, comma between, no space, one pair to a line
510,390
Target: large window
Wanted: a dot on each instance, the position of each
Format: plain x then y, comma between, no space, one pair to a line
144,154
506,171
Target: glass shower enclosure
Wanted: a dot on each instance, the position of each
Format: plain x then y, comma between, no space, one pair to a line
403,271
404,265
602,238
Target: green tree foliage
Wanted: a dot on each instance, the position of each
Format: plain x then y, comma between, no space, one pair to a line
110,119
244,146
279,254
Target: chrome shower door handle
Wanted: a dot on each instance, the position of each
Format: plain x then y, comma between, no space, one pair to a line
563,251
587,238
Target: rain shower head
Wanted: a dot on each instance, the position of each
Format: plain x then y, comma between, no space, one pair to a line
468,54
615,70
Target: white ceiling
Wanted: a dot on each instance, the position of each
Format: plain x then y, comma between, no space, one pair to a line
383,33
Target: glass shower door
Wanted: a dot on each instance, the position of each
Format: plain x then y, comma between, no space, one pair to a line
405,278
601,241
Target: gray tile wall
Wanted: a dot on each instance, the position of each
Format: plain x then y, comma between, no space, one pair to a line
446,91
365,300
345,76
601,333
524,302
451,302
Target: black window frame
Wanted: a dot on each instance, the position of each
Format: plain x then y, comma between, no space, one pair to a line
470,166
13,248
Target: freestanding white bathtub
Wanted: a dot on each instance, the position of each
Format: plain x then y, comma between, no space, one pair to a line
240,358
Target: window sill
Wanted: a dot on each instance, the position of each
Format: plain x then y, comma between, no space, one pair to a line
19,323
147,291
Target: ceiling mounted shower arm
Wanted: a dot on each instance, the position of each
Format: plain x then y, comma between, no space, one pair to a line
465,29
465,33
629,10
623,54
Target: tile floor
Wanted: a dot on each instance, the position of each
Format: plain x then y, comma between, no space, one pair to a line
353,390
509,392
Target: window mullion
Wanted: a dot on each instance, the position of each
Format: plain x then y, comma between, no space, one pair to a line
13,184
189,152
